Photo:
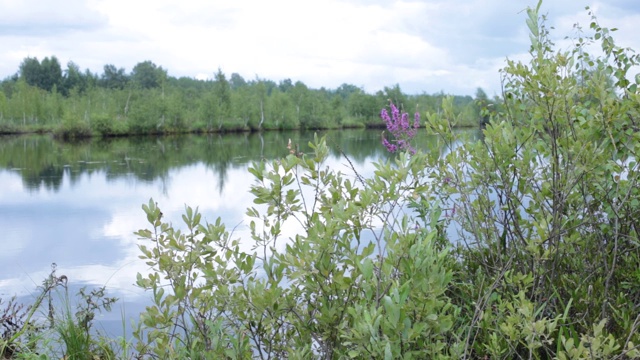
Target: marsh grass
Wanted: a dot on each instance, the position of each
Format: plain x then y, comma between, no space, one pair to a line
59,325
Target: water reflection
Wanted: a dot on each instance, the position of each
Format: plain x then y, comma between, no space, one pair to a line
78,204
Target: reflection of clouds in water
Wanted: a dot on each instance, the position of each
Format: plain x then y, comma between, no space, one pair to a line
118,278
14,241
65,227
293,226
11,184
95,219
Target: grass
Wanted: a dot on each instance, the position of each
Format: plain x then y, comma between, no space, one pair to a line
65,329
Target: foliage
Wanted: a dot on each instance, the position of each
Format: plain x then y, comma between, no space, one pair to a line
551,194
114,78
522,244
148,100
73,128
148,75
45,74
358,278
75,331
12,321
25,337
544,263
21,330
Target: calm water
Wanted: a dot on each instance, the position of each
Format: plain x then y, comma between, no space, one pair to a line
78,204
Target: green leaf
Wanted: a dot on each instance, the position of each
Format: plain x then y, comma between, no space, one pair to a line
387,351
367,269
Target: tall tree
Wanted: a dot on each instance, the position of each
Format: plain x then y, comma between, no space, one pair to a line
237,81
222,93
51,73
114,78
346,90
73,79
395,95
148,75
45,74
300,97
285,85
260,95
30,71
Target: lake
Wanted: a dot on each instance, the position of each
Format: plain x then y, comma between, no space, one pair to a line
78,204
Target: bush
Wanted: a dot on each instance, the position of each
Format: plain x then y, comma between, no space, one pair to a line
73,128
542,263
358,268
109,126
552,194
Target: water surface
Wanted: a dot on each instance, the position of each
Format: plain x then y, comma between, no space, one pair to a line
78,204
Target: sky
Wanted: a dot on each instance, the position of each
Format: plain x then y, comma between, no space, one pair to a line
426,46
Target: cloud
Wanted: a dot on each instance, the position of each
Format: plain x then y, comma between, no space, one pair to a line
47,19
425,46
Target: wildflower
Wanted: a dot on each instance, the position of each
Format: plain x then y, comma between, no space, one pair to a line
398,125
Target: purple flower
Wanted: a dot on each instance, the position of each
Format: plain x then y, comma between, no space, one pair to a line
398,125
390,147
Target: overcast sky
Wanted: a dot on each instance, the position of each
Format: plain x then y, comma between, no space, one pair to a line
427,46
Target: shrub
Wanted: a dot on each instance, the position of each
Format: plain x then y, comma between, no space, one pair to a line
73,128
552,193
360,277
542,263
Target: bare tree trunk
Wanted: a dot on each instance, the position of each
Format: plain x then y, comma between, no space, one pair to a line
126,106
261,115
86,111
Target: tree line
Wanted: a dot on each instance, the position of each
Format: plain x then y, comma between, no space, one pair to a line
41,96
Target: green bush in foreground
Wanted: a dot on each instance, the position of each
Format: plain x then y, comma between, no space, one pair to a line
544,263
361,277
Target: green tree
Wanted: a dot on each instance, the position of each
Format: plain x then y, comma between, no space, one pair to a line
285,85
259,99
346,90
221,97
51,73
3,106
113,78
148,75
281,110
237,81
45,74
364,108
73,79
31,71
395,95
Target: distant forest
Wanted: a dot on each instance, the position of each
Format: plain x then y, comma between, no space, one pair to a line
42,97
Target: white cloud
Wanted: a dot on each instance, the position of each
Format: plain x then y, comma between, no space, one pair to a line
424,46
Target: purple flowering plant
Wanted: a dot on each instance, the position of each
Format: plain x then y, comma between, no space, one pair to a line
402,131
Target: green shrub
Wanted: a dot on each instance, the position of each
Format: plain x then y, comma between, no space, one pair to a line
107,125
552,193
73,128
361,277
542,262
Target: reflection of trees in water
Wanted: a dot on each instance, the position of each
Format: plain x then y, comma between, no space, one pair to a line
49,177
45,162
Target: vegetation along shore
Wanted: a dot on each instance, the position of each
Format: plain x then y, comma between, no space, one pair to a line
42,97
